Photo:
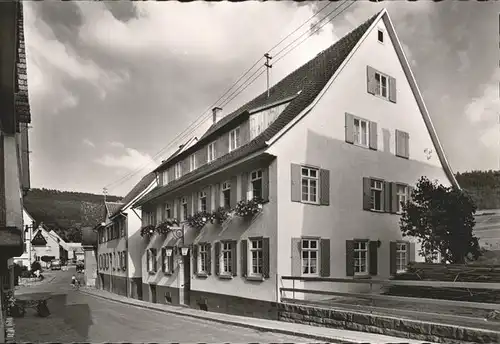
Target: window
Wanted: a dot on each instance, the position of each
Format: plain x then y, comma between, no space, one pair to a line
309,183
227,259
211,152
164,175
234,139
177,170
203,260
401,254
376,192
361,258
361,132
151,260
168,211
382,85
184,208
380,36
256,254
150,218
192,162
402,195
226,195
202,206
256,184
310,252
167,263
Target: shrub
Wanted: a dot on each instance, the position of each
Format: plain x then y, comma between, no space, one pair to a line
36,266
26,274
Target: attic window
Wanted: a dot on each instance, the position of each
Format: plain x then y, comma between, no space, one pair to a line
380,35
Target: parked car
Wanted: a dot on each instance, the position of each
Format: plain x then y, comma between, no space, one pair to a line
55,265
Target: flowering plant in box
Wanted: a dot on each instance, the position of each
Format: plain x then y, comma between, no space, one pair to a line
166,226
249,208
147,230
199,219
220,215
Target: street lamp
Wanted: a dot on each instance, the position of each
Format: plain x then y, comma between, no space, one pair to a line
184,250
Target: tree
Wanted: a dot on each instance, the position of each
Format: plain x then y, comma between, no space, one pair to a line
442,218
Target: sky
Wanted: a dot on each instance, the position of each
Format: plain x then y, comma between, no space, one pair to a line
111,84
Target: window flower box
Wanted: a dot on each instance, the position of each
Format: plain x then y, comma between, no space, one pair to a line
219,216
147,230
199,219
248,209
166,226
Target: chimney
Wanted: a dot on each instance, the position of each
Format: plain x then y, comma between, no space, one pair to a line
216,114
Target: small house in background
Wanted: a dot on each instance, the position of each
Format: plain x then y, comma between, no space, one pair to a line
75,251
48,246
487,229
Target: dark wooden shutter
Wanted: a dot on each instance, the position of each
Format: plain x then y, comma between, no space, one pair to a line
155,260
406,145
216,196
367,196
196,250
387,197
244,185
217,258
296,259
402,144
373,253
411,252
209,259
349,257
324,191
190,199
148,260
178,205
392,89
265,183
349,128
295,183
265,258
125,260
171,261
371,84
234,256
208,190
233,194
399,143
244,262
373,135
394,198
392,257
325,257
163,254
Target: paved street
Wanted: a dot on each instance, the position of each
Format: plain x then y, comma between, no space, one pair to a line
77,317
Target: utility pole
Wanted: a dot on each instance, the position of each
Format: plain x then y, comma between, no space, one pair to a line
105,192
268,67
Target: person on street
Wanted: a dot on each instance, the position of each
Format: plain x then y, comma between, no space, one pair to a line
74,281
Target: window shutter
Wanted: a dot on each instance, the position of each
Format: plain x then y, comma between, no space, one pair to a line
295,182
217,258
148,254
244,252
234,256
394,198
209,259
171,261
265,183
216,196
196,250
411,252
325,257
411,189
349,257
399,143
392,256
244,185
387,197
155,260
125,260
406,145
234,186
190,199
370,80
178,203
208,190
163,254
265,258
373,253
373,135
367,197
296,259
392,89
159,177
324,181
349,128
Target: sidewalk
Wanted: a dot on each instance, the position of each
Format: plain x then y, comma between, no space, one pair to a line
312,332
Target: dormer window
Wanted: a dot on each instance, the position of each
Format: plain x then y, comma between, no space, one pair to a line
177,170
211,152
192,163
234,139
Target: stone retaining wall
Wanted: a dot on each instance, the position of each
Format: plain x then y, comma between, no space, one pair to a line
413,329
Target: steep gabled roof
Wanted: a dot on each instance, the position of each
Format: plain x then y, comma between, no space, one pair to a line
309,80
112,207
21,98
136,191
190,143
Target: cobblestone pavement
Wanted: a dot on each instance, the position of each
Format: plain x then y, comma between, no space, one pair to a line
77,317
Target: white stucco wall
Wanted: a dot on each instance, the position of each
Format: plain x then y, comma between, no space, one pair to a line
50,249
319,139
136,245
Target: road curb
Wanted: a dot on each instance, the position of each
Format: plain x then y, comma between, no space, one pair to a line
330,339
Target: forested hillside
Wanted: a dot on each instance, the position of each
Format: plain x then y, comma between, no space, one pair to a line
64,211
483,186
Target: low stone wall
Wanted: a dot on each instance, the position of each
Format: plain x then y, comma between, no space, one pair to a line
29,280
413,329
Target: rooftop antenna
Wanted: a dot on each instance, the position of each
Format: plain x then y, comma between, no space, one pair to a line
105,192
268,67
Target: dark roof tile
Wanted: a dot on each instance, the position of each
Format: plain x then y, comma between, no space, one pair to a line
21,97
310,79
